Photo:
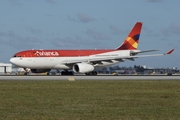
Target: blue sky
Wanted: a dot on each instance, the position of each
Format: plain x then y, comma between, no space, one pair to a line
90,24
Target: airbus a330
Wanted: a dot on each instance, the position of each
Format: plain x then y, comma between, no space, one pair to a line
82,61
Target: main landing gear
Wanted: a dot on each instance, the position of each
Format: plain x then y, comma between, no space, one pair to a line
91,73
66,72
26,73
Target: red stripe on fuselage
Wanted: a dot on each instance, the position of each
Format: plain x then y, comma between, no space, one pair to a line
59,53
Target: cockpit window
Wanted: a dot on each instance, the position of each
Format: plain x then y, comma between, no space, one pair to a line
17,56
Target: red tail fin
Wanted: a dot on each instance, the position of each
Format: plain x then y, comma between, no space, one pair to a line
131,41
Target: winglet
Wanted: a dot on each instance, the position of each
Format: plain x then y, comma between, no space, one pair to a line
169,52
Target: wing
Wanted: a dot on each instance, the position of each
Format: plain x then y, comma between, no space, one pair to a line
118,58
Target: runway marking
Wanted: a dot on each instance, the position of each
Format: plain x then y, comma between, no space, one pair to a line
71,79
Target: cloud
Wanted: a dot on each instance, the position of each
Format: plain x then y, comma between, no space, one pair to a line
15,3
74,42
85,18
154,1
97,35
173,29
50,1
61,42
49,15
33,31
14,40
150,32
2,34
10,34
81,17
116,30
71,19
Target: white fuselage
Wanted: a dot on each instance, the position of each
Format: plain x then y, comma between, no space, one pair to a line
59,62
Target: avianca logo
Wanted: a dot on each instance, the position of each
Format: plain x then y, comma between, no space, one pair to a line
42,53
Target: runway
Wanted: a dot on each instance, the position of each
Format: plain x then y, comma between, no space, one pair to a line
101,77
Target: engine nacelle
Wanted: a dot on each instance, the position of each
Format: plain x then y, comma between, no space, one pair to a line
40,70
83,68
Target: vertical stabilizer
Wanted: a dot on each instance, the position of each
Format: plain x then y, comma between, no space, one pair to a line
131,41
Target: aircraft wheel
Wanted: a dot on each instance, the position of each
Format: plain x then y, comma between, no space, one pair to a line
67,73
91,73
26,73
62,73
94,73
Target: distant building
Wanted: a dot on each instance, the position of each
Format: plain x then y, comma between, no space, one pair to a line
5,68
152,70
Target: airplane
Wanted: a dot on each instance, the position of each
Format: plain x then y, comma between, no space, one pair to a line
82,61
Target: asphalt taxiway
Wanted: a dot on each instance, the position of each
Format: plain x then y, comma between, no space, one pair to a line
73,78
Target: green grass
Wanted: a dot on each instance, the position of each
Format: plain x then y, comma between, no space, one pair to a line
83,100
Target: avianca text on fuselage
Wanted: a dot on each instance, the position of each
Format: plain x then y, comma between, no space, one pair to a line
45,53
82,61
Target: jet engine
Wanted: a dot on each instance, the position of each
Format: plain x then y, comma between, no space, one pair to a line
83,67
40,70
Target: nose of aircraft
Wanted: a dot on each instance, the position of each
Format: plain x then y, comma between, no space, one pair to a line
16,61
12,60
